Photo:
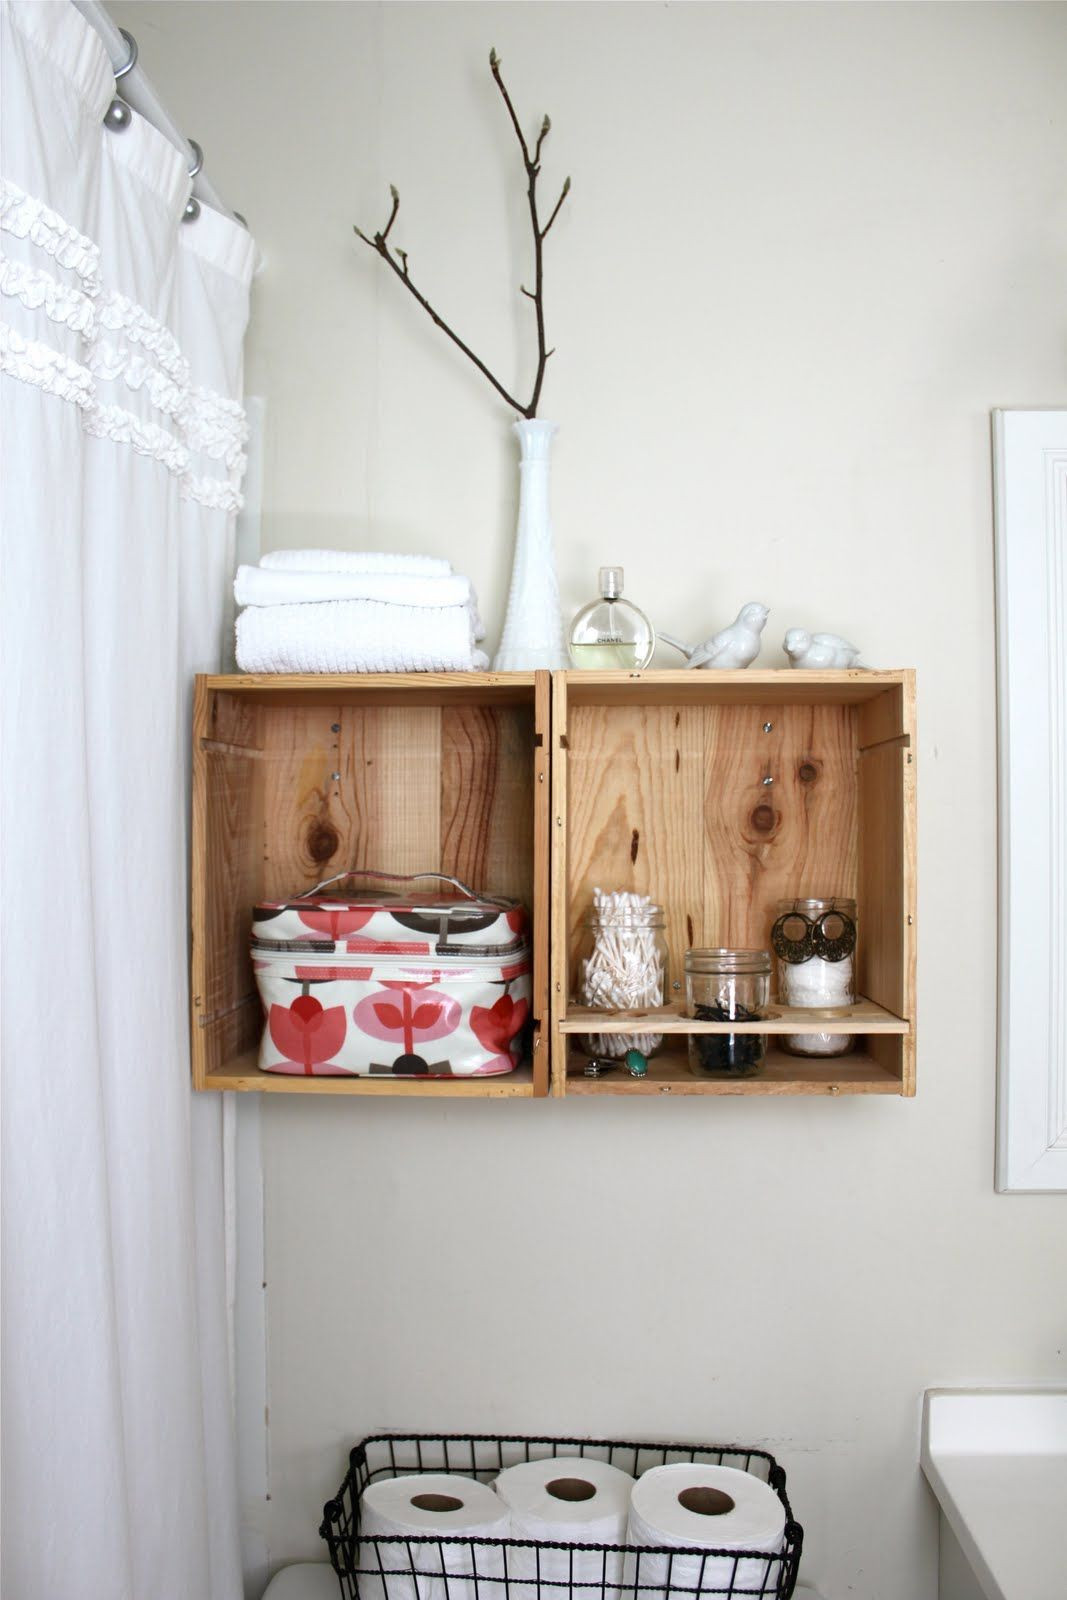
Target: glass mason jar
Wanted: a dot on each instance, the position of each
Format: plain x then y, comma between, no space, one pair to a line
727,986
815,942
623,965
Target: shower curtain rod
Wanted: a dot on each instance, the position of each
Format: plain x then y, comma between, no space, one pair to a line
136,89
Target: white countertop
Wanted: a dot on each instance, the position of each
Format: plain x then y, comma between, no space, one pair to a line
997,1461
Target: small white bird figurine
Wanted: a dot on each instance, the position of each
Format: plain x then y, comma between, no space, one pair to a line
819,650
735,646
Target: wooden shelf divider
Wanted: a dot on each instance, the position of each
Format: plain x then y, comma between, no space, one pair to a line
863,1017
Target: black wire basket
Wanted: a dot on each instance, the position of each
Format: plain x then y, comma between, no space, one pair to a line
438,1568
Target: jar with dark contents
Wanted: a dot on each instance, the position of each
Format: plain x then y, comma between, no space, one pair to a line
727,986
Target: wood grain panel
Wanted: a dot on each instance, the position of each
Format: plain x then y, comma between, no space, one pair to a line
379,688
886,878
885,717
863,1017
227,812
243,1074
636,814
794,836
750,687
542,891
486,798
388,807
300,837
229,719
559,855
897,1057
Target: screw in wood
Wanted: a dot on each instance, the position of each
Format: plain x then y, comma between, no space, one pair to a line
766,781
768,727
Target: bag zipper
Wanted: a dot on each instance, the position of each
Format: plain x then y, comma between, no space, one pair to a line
315,953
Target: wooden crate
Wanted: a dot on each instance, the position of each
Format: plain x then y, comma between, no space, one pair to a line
298,778
719,794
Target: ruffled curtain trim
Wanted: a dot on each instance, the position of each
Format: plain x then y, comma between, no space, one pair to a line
146,357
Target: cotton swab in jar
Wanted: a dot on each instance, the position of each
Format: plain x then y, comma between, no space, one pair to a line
624,970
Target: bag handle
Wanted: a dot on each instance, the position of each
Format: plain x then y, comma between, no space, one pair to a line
405,877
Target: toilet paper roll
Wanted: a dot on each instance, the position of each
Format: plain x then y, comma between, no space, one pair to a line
568,1500
426,1505
703,1507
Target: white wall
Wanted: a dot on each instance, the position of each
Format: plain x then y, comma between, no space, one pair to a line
807,249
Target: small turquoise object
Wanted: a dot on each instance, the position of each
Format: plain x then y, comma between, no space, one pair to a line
636,1063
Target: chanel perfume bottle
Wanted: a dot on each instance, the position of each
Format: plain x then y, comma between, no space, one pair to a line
611,633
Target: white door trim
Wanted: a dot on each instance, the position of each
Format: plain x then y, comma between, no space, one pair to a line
1030,482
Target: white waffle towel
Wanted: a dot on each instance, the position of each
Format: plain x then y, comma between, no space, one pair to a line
358,636
355,561
255,587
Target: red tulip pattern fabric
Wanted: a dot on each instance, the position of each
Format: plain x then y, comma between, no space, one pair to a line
384,990
497,1025
307,1033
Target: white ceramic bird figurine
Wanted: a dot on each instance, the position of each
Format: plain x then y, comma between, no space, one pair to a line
735,646
819,650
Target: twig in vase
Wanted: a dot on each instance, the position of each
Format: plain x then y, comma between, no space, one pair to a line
398,260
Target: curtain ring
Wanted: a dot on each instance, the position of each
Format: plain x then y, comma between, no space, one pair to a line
198,158
192,209
120,72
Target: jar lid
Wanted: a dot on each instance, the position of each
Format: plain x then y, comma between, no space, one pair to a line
642,917
728,961
814,907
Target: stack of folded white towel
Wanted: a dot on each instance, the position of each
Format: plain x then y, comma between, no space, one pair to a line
356,611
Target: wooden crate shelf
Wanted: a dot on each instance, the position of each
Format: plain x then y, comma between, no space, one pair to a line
298,778
720,794
543,786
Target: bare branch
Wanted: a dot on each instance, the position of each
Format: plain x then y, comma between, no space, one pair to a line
555,211
494,64
392,214
397,259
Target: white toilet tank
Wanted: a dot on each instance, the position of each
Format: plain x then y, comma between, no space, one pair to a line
315,1580
308,1580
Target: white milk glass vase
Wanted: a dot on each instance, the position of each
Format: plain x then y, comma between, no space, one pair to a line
533,627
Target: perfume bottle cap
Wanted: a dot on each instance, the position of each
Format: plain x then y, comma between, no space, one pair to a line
611,582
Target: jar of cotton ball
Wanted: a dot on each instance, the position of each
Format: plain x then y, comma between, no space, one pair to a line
815,942
623,965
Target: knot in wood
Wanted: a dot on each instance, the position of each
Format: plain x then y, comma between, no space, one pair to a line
322,840
764,819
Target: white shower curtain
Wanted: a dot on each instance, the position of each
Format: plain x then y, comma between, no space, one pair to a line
120,354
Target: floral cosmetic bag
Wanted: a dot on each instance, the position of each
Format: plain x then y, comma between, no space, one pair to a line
392,985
